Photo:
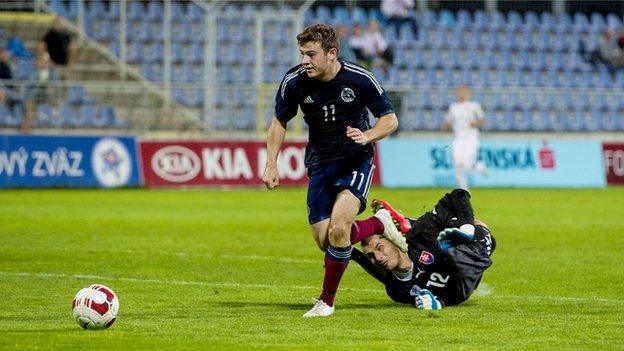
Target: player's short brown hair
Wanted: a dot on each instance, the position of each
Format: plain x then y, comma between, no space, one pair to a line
321,33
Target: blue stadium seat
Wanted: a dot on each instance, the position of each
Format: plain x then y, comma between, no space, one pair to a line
95,117
547,22
446,18
194,13
563,101
614,21
309,17
4,115
135,10
430,120
77,95
563,23
43,116
496,21
522,120
426,18
108,114
514,21
198,30
178,12
581,23
503,120
613,101
341,15
113,47
154,53
598,23
197,52
598,102
152,71
104,30
94,9
576,121
58,7
87,114
541,121
323,14
224,74
592,120
612,121
559,121
69,116
112,12
193,97
463,19
13,118
531,20
479,20
181,32
375,13
178,95
155,10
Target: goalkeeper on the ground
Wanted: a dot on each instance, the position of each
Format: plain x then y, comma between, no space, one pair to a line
441,259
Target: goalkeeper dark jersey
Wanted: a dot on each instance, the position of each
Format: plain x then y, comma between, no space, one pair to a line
451,275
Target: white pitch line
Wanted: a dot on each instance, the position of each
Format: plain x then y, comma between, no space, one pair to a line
188,254
267,286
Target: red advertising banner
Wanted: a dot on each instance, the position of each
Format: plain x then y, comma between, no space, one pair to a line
220,163
614,162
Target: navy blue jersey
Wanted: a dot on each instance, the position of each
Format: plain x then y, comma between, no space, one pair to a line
451,275
329,107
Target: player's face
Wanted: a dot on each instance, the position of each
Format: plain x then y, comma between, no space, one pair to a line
463,93
382,252
316,62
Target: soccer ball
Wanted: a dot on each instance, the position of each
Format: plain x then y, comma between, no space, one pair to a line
95,307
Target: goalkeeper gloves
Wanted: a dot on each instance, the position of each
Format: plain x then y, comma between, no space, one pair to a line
451,237
426,300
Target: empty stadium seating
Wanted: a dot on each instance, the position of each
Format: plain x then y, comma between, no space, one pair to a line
524,67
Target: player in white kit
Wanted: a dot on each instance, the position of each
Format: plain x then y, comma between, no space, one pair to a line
465,117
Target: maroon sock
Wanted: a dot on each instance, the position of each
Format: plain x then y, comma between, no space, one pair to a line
336,261
361,230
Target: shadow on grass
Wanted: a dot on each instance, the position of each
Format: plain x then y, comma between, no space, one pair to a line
42,330
297,306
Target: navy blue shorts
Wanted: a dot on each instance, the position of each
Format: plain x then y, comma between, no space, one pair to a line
328,179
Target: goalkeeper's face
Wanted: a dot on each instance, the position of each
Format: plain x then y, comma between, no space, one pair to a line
382,252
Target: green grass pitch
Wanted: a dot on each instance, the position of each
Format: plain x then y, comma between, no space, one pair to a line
217,269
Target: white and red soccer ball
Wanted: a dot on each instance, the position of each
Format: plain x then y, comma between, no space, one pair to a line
95,307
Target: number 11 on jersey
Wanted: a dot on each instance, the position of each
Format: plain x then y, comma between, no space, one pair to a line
331,110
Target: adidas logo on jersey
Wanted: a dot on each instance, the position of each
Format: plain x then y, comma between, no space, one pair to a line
308,100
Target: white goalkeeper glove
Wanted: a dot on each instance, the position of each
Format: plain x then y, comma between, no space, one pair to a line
426,300
455,236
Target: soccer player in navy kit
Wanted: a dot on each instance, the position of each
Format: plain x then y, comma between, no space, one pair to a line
334,96
448,251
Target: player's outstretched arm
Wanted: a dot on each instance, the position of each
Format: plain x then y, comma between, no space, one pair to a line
384,127
275,139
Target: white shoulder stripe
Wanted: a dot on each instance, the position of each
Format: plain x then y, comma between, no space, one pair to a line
289,77
369,75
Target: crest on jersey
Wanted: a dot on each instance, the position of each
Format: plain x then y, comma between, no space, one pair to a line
347,95
426,257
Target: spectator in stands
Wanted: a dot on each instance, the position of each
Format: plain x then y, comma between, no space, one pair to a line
9,94
346,51
375,46
610,52
398,12
57,42
41,88
356,42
